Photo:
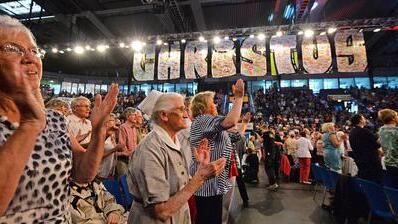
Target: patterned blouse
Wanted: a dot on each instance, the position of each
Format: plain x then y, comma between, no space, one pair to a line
42,194
206,126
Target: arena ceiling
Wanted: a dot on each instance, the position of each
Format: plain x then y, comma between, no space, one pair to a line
92,21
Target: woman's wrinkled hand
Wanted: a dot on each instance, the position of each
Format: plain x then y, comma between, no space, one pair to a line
102,108
206,168
238,89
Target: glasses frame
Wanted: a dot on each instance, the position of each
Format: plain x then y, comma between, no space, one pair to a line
17,49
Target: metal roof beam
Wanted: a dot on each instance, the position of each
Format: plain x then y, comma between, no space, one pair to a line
198,15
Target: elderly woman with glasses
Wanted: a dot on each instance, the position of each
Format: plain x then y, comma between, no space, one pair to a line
207,124
35,149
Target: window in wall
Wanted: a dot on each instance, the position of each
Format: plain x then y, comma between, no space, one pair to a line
316,85
104,88
74,88
285,83
169,87
299,82
146,88
330,84
393,82
362,83
378,82
194,87
80,88
56,87
181,88
66,86
97,88
90,88
269,84
346,83
125,89
257,85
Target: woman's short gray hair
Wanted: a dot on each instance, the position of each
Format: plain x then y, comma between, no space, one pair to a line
9,24
165,103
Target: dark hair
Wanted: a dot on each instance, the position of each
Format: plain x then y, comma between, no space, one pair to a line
303,134
356,119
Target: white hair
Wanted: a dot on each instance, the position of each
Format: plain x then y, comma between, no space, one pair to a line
11,25
76,100
165,102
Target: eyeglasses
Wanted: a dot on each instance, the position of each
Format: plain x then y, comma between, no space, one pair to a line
14,48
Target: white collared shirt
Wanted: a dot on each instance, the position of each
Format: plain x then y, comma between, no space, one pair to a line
76,123
166,137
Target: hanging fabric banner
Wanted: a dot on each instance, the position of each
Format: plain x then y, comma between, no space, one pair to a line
253,57
223,59
144,64
195,60
317,56
350,51
169,61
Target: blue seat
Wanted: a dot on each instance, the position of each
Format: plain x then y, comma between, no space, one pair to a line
377,199
113,187
387,180
317,177
329,182
392,195
128,196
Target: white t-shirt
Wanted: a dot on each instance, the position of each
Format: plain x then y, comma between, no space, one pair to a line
77,124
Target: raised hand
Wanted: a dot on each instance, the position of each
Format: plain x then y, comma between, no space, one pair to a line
247,117
102,108
239,88
202,152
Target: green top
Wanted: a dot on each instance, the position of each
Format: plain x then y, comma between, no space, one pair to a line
389,143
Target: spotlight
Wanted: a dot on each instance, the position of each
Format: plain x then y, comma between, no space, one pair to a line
61,52
54,50
137,45
216,40
78,50
122,45
308,33
234,39
165,44
226,38
322,33
101,48
300,32
183,41
279,33
159,42
251,36
261,36
68,49
360,30
201,39
332,30
376,30
88,47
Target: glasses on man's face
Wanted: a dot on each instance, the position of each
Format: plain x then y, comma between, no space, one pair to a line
13,48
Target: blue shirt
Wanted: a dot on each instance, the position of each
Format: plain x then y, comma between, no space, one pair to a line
331,155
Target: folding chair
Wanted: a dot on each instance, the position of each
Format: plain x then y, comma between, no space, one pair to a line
392,195
113,187
317,177
377,200
329,182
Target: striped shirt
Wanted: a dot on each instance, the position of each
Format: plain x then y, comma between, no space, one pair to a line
207,126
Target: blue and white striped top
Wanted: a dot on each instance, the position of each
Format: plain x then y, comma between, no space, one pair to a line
207,126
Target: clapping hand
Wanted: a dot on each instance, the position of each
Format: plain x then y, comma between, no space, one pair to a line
206,168
246,118
102,108
239,88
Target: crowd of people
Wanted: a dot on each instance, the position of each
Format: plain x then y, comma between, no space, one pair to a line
55,155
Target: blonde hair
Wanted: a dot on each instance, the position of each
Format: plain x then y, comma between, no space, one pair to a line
56,104
386,115
200,103
327,126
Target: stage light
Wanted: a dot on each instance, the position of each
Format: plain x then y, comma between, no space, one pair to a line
279,33
216,40
165,43
332,30
308,33
101,48
251,36
360,30
226,38
88,47
54,50
61,52
78,50
122,45
137,45
376,30
300,32
234,39
261,36
159,42
68,49
201,39
183,41
322,33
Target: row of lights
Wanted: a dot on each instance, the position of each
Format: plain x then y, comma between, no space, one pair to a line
139,45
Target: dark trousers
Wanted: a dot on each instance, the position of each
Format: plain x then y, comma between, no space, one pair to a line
392,173
269,167
241,186
209,209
